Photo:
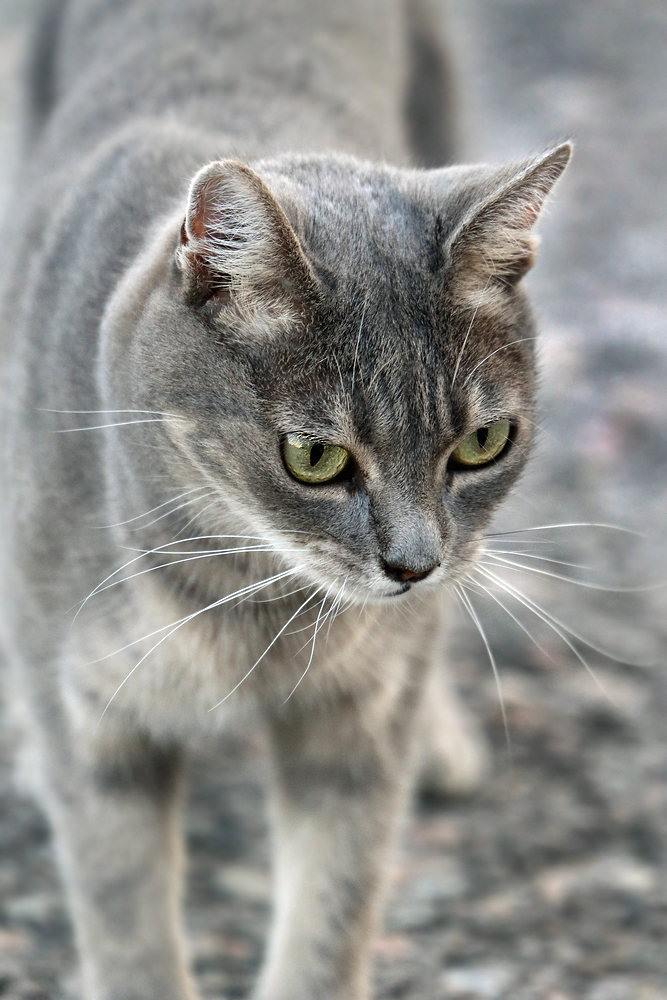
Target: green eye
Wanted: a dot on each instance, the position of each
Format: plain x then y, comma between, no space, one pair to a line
313,461
483,445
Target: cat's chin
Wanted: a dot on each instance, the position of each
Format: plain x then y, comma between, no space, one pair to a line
397,592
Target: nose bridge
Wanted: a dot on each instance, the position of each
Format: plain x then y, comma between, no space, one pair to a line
409,535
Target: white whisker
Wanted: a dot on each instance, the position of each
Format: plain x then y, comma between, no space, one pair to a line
494,597
274,640
572,524
356,348
243,592
193,557
515,592
176,626
512,565
120,423
312,648
558,627
161,413
334,609
161,549
465,339
168,513
279,597
494,666
522,340
528,555
119,524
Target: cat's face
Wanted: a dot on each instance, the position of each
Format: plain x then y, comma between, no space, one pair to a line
355,384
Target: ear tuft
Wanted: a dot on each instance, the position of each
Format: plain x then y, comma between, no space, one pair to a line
495,245
237,243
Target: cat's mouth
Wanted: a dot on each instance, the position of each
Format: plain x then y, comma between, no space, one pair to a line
399,589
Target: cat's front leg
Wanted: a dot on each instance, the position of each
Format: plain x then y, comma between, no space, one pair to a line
454,756
342,772
113,804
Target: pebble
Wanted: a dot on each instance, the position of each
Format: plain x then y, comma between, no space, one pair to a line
484,982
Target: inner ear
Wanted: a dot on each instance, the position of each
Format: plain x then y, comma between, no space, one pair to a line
495,244
237,243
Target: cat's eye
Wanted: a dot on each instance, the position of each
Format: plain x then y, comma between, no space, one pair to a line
483,445
313,461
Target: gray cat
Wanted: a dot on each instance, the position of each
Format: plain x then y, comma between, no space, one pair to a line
262,399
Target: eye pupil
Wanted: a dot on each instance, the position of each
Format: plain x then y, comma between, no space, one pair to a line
482,436
316,453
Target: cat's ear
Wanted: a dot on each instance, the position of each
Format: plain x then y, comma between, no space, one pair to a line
495,244
237,246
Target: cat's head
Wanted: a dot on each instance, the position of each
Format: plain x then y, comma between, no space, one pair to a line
348,357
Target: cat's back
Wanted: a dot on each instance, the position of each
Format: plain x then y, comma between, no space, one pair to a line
266,77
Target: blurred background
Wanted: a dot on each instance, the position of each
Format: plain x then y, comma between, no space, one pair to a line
551,883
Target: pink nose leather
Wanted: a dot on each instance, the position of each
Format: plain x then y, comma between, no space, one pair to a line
405,575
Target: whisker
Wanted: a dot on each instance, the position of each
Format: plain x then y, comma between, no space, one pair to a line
119,524
312,649
378,371
363,606
197,538
198,513
522,340
356,347
310,625
552,542
494,597
468,331
242,592
120,423
161,413
175,628
572,524
528,555
266,547
274,640
161,549
278,597
334,609
512,565
340,377
494,666
168,513
189,558
553,623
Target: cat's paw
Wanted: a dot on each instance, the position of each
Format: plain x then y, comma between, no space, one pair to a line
455,757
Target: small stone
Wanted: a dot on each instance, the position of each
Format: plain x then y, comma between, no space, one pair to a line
12,941
35,909
486,982
615,988
614,873
392,947
439,832
250,884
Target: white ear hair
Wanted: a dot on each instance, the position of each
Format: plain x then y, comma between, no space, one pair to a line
228,225
237,244
495,244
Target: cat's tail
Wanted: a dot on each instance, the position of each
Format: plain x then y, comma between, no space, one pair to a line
430,106
41,90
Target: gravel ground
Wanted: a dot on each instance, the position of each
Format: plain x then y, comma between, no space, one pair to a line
552,883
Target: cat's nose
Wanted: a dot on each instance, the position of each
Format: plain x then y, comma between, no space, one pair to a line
407,574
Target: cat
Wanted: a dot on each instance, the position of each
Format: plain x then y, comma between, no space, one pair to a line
263,392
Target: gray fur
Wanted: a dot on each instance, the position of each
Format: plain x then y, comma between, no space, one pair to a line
194,309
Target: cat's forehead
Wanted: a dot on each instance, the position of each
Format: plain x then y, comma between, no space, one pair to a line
389,345
394,389
354,221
